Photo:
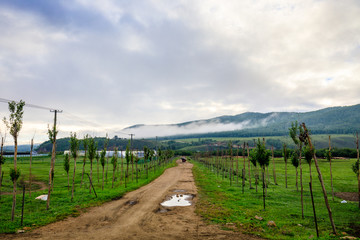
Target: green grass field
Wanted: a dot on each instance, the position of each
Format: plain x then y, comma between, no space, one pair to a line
221,203
35,213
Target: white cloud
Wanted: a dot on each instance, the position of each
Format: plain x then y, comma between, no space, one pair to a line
119,64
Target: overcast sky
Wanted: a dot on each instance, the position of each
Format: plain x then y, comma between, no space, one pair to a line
110,64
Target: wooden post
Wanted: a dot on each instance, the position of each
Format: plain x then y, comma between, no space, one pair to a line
244,170
313,205
306,134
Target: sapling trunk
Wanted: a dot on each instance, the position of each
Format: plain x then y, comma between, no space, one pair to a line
30,178
331,178
73,181
1,162
321,179
249,166
273,160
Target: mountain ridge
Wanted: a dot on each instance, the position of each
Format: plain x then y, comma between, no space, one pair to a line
339,119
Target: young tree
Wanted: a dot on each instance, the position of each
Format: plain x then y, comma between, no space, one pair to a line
86,144
30,177
2,161
102,161
74,151
128,159
356,166
305,137
273,161
286,156
67,167
97,164
14,125
52,133
263,158
295,163
252,157
114,163
92,147
295,132
328,157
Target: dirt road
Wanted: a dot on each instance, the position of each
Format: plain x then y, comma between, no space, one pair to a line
139,215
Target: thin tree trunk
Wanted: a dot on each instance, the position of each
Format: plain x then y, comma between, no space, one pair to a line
301,184
30,178
263,180
107,168
358,167
244,168
14,189
274,171
248,153
1,157
83,170
102,186
113,178
297,186
68,181
97,163
321,181
331,178
90,175
51,174
73,181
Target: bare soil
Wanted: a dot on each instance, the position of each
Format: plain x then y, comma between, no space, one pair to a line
348,196
139,215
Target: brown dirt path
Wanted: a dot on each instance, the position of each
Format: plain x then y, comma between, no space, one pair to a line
138,215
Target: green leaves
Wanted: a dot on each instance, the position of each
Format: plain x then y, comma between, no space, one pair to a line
14,174
92,148
308,153
15,121
66,163
261,155
295,158
102,157
74,145
355,167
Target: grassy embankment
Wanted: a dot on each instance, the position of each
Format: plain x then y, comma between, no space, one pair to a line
221,203
35,213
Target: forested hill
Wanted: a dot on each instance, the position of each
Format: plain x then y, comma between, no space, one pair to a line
334,120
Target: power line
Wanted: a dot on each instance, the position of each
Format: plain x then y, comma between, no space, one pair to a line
26,104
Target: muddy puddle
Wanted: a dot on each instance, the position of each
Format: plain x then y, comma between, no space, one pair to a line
178,200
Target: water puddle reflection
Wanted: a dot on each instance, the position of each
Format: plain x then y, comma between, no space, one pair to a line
178,200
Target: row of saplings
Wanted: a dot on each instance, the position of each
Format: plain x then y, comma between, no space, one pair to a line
14,124
260,156
91,152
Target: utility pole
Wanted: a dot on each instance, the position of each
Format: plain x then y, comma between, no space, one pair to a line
52,136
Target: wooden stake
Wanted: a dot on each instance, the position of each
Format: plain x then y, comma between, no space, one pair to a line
306,134
313,205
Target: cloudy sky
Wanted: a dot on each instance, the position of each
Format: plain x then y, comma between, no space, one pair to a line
110,64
